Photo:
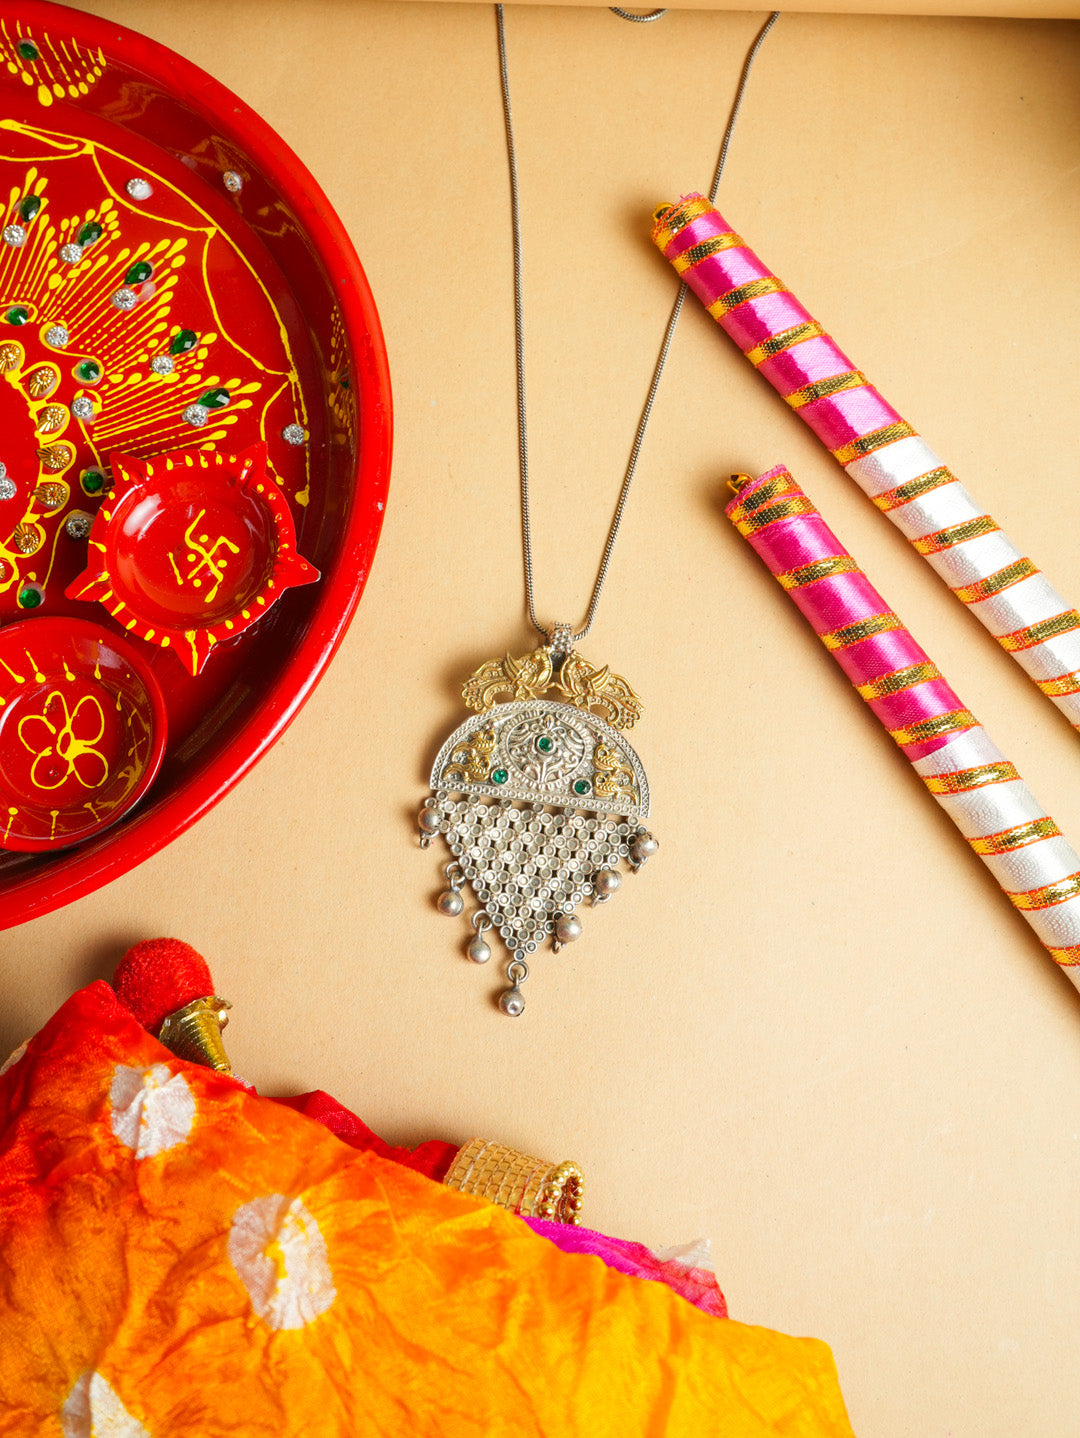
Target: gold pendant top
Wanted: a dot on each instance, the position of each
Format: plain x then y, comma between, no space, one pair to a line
580,683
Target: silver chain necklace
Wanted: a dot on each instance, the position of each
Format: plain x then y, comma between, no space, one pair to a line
540,800
519,329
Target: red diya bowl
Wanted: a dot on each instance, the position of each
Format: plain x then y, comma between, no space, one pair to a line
192,550
172,278
82,731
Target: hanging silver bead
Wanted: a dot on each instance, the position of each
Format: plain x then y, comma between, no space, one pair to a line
479,950
567,929
450,903
643,847
512,1002
605,883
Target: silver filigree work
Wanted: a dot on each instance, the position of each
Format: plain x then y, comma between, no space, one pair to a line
539,803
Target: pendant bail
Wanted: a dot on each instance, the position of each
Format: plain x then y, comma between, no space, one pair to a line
561,640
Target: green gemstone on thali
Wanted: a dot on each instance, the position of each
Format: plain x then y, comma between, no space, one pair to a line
138,273
215,398
30,206
30,597
27,50
88,371
17,315
93,481
184,341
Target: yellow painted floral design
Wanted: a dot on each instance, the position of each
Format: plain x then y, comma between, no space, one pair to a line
68,735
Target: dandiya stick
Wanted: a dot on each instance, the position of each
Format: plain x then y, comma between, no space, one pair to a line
879,450
987,800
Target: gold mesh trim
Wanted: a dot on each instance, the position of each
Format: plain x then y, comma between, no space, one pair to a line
518,1182
671,219
785,340
1066,956
783,509
849,634
995,583
751,290
899,680
1049,895
764,494
1041,632
955,534
876,439
914,489
1017,837
978,777
818,569
1062,685
931,728
715,245
823,388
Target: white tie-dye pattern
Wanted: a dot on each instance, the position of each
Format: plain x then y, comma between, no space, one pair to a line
93,1410
277,1249
152,1109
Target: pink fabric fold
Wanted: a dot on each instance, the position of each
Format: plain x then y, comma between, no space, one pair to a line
697,1285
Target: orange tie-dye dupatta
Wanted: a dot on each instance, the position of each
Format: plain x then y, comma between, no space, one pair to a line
180,1257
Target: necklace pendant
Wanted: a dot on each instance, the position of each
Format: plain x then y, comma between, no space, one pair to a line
540,802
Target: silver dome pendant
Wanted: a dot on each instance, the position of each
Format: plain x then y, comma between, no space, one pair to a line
540,802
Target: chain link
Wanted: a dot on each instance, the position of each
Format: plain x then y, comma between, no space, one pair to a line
519,335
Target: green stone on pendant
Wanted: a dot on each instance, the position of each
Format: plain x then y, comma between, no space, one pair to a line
582,786
93,481
544,744
27,50
215,398
17,315
29,207
184,341
88,371
138,273
90,232
30,597
499,776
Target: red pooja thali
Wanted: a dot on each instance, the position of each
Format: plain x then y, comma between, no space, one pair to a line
194,447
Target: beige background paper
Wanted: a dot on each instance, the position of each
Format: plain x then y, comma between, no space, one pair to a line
811,1029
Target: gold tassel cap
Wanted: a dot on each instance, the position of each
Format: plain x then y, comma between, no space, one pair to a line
530,1186
194,1033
